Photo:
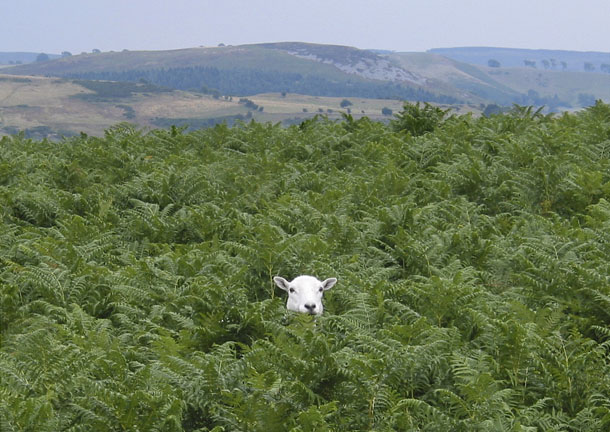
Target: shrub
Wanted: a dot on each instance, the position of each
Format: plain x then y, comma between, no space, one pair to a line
418,120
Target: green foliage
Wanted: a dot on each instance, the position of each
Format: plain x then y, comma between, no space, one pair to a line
472,256
417,120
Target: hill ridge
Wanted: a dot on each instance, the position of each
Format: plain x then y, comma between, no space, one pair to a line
566,60
325,70
364,63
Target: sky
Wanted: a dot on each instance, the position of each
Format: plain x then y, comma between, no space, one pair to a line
54,26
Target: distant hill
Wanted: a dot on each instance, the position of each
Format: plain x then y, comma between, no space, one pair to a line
556,90
10,58
574,61
455,76
319,70
52,107
465,81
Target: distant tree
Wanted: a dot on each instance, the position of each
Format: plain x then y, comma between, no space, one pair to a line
546,64
345,103
248,103
221,44
530,63
95,51
589,67
128,111
42,57
386,111
564,65
533,97
66,54
493,109
586,99
493,63
305,110
283,94
605,67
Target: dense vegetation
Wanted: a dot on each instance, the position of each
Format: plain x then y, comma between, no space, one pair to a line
246,82
473,258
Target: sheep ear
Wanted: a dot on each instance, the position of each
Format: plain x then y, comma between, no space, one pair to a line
328,283
282,283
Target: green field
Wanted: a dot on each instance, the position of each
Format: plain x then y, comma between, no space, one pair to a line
472,257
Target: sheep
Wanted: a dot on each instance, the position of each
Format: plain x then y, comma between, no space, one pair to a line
305,293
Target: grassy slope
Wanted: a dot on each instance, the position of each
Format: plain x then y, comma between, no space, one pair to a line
463,80
244,56
32,102
36,101
506,82
567,85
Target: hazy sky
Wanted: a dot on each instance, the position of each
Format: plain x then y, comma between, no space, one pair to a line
53,26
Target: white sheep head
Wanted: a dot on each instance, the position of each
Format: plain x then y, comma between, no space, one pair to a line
305,293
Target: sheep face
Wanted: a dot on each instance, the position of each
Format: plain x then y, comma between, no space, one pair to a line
305,293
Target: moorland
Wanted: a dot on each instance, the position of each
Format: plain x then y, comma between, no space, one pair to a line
286,83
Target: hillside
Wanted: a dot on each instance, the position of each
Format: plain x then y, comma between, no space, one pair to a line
52,107
456,76
472,258
557,90
574,61
11,58
469,82
280,82
317,70
363,63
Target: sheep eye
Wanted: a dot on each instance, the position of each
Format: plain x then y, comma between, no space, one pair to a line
321,289
291,290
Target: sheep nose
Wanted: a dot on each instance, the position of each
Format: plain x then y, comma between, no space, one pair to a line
310,307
